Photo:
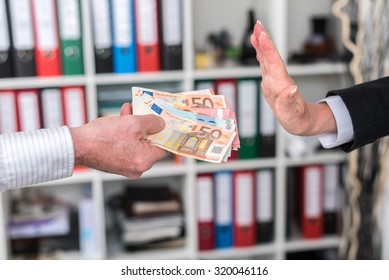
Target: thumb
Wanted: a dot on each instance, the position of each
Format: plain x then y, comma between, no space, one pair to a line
152,124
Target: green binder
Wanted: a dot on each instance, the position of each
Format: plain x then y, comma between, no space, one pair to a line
248,114
70,35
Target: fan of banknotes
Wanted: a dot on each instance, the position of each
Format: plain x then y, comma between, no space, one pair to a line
199,124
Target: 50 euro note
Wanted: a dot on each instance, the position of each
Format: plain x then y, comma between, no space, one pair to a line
192,99
187,137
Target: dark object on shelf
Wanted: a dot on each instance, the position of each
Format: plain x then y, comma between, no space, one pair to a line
248,54
31,248
319,44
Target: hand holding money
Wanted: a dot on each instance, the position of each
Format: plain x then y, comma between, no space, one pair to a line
199,124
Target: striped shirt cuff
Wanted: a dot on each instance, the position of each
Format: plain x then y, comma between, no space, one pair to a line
36,156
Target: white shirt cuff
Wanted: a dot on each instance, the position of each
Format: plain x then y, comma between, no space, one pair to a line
344,124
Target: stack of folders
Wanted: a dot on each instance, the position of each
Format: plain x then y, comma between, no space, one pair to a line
199,124
235,208
41,38
29,109
137,35
313,201
149,217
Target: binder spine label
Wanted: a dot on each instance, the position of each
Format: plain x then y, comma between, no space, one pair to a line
264,209
5,43
247,111
70,25
47,37
312,193
122,13
147,30
171,22
101,24
223,183
21,22
244,207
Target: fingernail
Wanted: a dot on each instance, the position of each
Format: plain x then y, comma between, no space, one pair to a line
263,33
259,22
293,92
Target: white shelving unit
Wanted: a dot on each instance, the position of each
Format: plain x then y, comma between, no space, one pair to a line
283,21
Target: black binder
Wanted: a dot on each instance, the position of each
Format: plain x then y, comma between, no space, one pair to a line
5,46
103,53
265,228
170,25
23,58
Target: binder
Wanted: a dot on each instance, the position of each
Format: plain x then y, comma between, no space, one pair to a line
248,118
28,109
70,36
228,89
170,23
51,105
293,202
47,48
205,84
102,37
5,42
8,112
267,129
124,44
205,212
331,194
223,209
147,38
264,205
23,43
74,106
312,201
244,217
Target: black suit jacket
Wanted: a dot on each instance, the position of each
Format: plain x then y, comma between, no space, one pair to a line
368,105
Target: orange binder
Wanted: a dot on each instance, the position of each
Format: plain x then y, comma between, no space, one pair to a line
205,212
74,106
8,112
28,109
244,208
312,201
147,38
47,48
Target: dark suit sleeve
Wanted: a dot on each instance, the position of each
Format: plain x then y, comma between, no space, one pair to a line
368,105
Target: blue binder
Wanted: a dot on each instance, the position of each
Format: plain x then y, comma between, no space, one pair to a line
224,209
123,32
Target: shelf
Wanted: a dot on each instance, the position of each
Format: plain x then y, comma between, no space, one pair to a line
230,253
248,164
161,254
156,77
159,170
319,158
314,244
319,68
37,82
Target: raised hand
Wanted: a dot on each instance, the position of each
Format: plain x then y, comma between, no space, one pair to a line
293,113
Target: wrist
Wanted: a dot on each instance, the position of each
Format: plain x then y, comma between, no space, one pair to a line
323,119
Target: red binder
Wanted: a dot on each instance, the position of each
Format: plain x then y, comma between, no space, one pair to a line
74,106
8,112
28,109
147,38
244,208
47,48
205,212
312,201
